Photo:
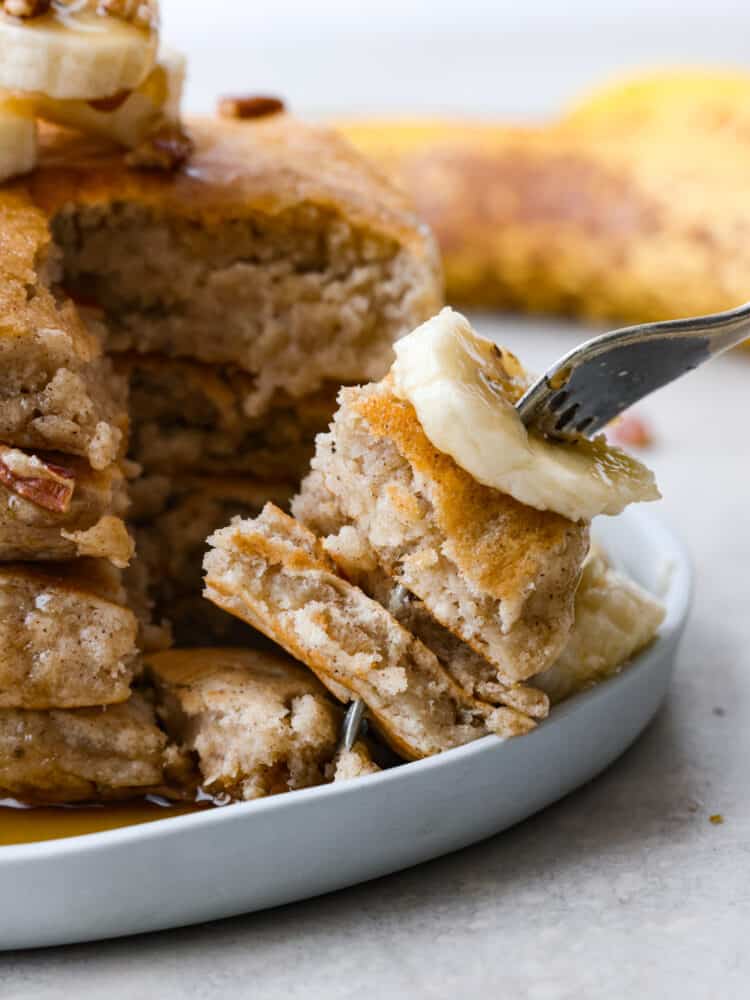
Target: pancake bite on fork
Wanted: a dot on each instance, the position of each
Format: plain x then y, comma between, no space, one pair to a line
421,574
274,574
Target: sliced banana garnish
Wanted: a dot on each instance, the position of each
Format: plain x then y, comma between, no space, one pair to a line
463,389
79,49
131,118
18,137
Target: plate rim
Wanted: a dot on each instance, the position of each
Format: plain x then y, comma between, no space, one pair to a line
677,599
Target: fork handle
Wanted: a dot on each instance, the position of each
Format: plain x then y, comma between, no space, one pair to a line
723,331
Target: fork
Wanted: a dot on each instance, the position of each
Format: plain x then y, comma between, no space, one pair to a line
352,725
594,383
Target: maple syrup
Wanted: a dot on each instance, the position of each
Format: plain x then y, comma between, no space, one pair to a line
34,825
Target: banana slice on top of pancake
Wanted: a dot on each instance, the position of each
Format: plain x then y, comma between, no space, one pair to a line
77,49
18,137
464,389
127,118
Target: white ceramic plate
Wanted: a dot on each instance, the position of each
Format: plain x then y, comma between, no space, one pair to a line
246,857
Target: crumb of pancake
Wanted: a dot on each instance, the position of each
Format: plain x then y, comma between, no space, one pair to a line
354,763
254,106
308,296
108,535
717,819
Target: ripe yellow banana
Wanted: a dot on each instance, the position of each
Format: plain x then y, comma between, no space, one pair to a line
131,118
18,137
458,384
82,51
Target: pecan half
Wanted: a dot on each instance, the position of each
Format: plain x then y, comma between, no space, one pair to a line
167,148
630,431
42,483
249,107
26,8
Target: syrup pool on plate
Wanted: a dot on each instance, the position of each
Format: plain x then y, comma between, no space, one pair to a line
23,825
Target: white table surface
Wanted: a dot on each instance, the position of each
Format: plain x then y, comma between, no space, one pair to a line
624,889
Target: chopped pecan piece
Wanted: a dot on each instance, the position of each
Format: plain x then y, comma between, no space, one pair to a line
26,8
43,483
249,107
166,148
631,431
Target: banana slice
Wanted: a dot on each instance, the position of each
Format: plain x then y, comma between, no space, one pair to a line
131,119
18,138
77,50
463,389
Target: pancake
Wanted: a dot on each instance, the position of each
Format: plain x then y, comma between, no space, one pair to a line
498,575
57,391
191,418
631,206
276,250
274,574
271,266
66,640
88,755
258,723
471,671
615,619
172,520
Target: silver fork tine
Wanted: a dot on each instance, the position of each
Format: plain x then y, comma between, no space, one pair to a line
352,725
594,383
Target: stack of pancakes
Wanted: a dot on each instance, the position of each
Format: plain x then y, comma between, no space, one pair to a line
235,297
170,344
69,728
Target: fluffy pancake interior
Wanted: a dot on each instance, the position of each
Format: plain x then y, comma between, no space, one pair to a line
294,299
64,642
258,722
500,575
274,574
87,754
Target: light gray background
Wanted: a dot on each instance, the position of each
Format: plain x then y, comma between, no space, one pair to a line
624,889
442,56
